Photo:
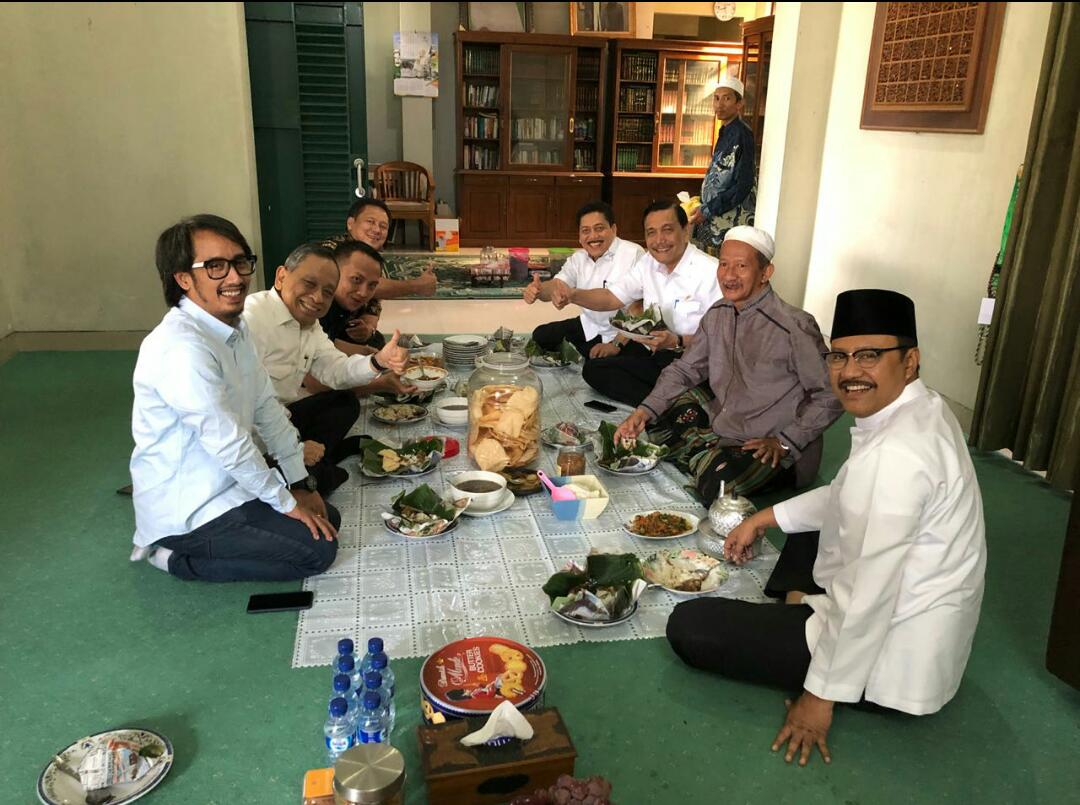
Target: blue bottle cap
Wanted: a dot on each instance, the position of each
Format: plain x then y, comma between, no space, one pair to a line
338,707
371,700
372,679
341,683
345,646
375,645
345,664
379,661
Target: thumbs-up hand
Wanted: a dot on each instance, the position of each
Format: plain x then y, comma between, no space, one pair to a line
427,283
392,356
560,294
532,290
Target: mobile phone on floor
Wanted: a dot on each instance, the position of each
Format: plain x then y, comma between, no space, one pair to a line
600,406
280,602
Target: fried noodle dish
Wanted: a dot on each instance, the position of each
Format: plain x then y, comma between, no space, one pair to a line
658,524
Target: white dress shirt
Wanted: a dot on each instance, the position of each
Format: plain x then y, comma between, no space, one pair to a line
581,271
289,352
901,558
682,296
200,392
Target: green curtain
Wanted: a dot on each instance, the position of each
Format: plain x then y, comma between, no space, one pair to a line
1029,390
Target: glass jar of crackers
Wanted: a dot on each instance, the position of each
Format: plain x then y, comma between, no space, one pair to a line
504,412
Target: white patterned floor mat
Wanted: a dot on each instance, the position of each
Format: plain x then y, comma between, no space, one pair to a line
485,577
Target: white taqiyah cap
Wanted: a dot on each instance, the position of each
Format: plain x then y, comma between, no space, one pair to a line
758,238
731,83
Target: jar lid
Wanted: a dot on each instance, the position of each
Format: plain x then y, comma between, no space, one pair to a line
369,773
504,361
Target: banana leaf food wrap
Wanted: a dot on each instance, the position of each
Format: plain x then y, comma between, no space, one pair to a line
565,355
606,589
412,458
421,512
643,323
503,340
627,455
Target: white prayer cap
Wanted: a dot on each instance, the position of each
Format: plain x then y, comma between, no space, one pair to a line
731,83
751,235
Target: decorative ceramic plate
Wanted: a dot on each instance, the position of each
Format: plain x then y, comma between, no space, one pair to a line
55,787
691,520
550,437
542,362
692,564
393,525
630,472
596,624
399,414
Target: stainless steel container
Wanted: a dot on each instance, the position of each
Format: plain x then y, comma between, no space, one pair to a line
369,774
726,512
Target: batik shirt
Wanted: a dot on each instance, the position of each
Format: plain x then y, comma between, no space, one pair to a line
728,194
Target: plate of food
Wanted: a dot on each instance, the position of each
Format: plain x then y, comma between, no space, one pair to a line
604,592
639,327
118,766
399,413
522,482
628,456
413,342
661,525
565,355
566,434
425,378
415,398
421,513
413,458
684,572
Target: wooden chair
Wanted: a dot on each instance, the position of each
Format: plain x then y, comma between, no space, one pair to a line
409,192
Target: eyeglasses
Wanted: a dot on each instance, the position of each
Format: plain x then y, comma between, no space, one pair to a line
864,358
218,268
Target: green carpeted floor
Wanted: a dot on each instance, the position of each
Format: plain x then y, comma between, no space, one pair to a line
90,641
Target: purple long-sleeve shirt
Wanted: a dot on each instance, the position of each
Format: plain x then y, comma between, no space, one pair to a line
764,366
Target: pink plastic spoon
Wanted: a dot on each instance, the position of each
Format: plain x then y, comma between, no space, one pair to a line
557,492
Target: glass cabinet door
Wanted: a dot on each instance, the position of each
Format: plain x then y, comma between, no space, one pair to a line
686,125
539,107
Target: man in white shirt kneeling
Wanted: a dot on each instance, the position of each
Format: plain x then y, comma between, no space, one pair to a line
207,505
888,614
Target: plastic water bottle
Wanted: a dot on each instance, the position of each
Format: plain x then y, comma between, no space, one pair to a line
374,646
343,689
381,663
345,647
338,730
373,681
371,726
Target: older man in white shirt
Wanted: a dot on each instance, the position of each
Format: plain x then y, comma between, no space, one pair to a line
207,505
602,258
898,578
284,325
676,277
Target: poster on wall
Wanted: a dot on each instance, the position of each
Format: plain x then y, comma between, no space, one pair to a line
416,64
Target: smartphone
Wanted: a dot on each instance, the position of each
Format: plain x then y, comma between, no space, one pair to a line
280,602
600,406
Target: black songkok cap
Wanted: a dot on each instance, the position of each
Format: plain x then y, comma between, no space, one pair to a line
874,312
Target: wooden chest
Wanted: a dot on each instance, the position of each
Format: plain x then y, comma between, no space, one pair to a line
487,775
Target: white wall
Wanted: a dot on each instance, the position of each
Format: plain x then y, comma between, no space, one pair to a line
922,213
383,107
121,119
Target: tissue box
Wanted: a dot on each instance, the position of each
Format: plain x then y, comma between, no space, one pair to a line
486,775
587,509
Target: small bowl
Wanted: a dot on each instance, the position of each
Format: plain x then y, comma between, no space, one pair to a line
479,500
425,378
451,417
587,509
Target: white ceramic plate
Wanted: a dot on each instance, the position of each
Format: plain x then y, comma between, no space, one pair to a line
505,502
632,335
421,413
399,474
594,624
54,787
691,593
547,437
391,526
628,473
539,362
691,519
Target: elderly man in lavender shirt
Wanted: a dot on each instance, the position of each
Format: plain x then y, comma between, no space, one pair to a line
767,399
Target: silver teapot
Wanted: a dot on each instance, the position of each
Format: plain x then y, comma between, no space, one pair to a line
726,512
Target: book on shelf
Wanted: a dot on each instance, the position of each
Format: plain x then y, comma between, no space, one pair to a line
482,95
587,98
480,157
481,126
636,99
480,60
639,67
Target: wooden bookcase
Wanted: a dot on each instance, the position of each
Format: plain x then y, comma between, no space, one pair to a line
663,124
756,55
530,134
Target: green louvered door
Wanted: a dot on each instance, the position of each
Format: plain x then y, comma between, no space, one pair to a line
307,95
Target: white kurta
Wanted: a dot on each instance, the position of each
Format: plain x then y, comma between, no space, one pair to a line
901,558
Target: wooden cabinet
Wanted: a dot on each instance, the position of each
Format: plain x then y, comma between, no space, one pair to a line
632,194
757,53
529,113
483,208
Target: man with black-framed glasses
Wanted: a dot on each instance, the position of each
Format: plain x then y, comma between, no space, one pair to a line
883,568
207,505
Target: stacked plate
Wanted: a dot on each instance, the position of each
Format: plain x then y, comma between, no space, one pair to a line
461,351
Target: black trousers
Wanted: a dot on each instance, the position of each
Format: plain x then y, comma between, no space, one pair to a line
795,568
549,336
629,376
326,418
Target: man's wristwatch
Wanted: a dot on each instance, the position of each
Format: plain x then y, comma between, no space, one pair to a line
308,484
378,367
678,343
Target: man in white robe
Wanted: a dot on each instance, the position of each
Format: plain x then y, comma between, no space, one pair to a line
897,581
